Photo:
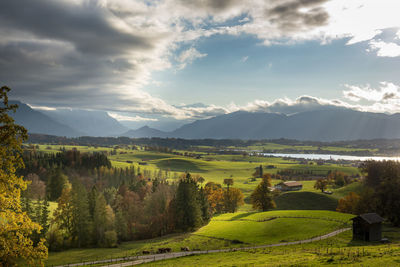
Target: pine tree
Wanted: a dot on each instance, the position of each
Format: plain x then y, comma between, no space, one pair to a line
63,214
92,200
261,197
205,206
188,209
27,206
44,220
99,220
121,226
57,182
81,221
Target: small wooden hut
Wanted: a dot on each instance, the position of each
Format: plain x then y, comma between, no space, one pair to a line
367,227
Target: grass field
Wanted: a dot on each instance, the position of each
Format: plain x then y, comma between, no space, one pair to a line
250,228
342,192
216,168
339,250
295,256
303,148
273,227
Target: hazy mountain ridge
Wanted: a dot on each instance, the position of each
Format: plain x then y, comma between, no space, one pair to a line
37,122
316,125
92,123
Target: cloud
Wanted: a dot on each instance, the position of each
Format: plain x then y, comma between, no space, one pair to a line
387,92
384,99
42,107
188,56
244,59
288,106
384,49
87,26
100,54
292,16
135,118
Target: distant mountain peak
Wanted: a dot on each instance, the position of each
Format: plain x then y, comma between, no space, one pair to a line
37,122
145,131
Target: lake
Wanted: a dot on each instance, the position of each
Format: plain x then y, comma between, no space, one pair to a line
329,157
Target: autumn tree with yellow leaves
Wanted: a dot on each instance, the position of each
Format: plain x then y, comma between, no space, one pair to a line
16,227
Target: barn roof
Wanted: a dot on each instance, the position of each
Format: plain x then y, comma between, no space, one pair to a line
292,183
370,218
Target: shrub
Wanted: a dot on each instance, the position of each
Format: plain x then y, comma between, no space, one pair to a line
110,239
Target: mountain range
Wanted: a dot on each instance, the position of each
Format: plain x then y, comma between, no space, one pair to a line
91,123
316,125
65,122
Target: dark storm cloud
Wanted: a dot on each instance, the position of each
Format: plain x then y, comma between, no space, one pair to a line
60,54
289,16
85,26
210,5
389,96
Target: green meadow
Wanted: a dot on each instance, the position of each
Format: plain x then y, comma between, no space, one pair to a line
303,148
224,231
216,168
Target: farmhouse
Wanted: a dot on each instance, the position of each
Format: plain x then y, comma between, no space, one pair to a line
367,227
289,186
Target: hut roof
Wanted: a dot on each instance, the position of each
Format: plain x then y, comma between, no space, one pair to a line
370,218
292,183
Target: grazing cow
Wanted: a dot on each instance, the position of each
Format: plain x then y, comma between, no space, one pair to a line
185,249
145,252
164,250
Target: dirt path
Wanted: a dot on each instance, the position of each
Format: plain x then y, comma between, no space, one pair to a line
130,261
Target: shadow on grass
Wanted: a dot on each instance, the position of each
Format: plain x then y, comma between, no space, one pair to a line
241,216
180,165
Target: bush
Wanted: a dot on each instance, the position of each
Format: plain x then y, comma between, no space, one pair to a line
110,239
55,239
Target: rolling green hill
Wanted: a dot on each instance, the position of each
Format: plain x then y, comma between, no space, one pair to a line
226,230
305,201
273,227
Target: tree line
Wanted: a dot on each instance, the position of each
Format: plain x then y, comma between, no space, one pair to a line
380,191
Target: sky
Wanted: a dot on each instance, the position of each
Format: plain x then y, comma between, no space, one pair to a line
166,62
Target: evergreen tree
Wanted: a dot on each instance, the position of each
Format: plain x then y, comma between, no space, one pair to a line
44,220
92,200
81,221
205,206
56,183
188,209
261,198
64,212
121,226
27,206
99,220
